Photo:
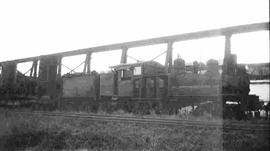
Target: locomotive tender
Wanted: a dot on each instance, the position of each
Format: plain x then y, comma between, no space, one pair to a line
138,87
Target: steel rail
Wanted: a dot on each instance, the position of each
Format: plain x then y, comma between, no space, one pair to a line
163,119
156,121
160,40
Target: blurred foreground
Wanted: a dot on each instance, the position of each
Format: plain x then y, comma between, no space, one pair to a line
56,133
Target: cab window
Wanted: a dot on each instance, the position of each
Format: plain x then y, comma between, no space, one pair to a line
125,74
161,83
137,70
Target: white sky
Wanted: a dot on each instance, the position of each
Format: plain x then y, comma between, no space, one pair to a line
32,28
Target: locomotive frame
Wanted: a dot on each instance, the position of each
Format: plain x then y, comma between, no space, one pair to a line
45,83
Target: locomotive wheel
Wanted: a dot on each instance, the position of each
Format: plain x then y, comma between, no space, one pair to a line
172,111
156,107
168,110
33,106
142,108
85,108
106,107
147,108
93,107
128,106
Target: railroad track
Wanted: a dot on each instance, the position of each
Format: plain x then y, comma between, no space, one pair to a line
156,121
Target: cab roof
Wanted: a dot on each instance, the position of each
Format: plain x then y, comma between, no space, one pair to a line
137,64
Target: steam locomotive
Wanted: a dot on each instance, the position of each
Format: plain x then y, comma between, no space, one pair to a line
139,87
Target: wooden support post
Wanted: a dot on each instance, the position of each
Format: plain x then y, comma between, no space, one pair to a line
227,52
35,69
87,64
227,45
33,72
59,63
168,62
168,66
124,55
15,73
32,68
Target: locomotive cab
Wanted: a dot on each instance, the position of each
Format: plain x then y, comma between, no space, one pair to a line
140,80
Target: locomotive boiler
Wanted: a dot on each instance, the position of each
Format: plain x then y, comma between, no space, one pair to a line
142,87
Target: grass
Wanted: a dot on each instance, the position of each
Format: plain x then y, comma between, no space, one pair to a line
19,132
